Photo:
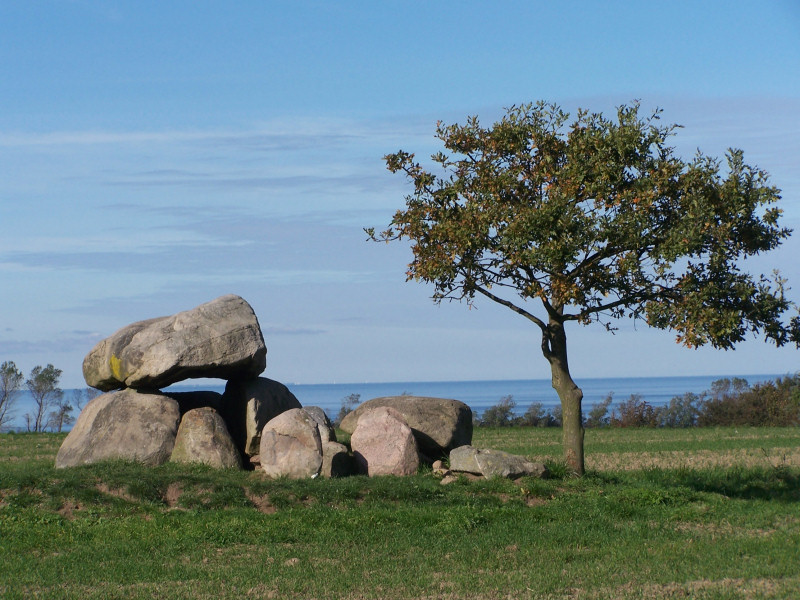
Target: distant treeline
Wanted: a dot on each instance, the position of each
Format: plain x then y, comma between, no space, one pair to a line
729,402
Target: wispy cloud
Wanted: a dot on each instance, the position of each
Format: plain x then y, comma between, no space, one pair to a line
285,135
59,344
319,184
278,330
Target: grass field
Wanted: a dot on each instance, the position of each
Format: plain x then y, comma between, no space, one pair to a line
697,513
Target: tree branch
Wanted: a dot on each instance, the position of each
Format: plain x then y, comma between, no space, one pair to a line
520,311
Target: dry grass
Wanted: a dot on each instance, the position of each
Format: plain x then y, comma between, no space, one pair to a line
694,459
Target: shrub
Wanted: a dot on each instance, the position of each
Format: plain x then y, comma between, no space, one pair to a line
536,416
633,412
682,411
501,414
348,404
598,415
733,402
556,416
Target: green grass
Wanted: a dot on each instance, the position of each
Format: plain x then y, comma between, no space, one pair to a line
120,530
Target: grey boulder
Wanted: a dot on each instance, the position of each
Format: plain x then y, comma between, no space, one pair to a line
291,446
122,425
249,404
326,431
337,460
203,438
439,424
221,339
383,443
493,463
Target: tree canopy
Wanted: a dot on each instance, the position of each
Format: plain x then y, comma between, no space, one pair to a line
591,220
43,387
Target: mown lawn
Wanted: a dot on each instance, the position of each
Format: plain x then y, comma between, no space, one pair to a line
698,513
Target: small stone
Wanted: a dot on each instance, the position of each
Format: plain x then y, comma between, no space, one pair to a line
337,461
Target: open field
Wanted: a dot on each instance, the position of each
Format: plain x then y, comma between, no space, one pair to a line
697,513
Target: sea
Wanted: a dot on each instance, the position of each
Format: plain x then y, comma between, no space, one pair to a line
478,395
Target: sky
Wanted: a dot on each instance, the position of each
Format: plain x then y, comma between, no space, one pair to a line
156,155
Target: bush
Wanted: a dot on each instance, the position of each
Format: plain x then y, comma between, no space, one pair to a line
556,416
348,404
501,414
729,402
682,411
535,416
598,415
633,412
733,403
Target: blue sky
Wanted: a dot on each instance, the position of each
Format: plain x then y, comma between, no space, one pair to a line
156,155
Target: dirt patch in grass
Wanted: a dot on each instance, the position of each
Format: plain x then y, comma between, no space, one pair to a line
260,502
115,492
68,509
173,494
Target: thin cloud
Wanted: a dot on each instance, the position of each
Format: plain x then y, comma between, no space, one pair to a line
298,183
285,135
277,330
56,345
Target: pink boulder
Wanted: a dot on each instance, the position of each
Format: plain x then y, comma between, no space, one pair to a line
383,443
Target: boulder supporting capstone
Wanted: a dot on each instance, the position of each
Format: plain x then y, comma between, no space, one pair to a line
249,404
126,425
203,438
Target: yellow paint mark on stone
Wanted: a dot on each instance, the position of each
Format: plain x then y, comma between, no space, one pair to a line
116,367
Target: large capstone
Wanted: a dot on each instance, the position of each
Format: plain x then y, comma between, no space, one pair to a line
439,424
219,339
122,425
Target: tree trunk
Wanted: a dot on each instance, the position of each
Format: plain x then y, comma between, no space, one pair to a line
569,394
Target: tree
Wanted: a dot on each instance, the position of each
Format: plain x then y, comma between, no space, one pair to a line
61,416
10,381
80,397
592,221
43,386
